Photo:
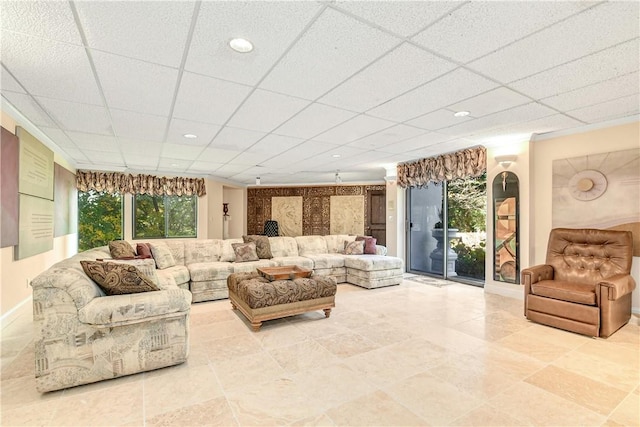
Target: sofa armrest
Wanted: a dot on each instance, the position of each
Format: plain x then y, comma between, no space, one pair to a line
619,285
381,250
536,274
118,310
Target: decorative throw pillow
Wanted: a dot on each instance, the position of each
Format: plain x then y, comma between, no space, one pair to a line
263,248
354,248
369,244
118,279
245,252
144,250
162,254
146,266
121,249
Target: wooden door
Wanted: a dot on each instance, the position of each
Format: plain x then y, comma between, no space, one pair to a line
376,225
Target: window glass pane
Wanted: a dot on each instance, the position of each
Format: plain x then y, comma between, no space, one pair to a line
181,216
99,219
148,216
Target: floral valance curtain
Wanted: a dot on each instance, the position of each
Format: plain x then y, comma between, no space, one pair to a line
116,182
471,162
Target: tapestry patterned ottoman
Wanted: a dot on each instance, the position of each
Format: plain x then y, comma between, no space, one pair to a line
260,299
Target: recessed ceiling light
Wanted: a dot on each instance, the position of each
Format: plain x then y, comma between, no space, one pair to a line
241,45
335,156
174,165
461,114
190,136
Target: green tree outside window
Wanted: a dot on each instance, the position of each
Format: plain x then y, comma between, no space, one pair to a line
164,216
99,219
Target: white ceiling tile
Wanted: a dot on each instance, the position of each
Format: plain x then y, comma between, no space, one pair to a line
301,152
95,142
387,136
151,31
621,107
440,148
204,132
248,158
515,115
353,129
596,93
604,65
204,167
140,147
217,155
99,157
129,84
47,19
140,161
446,90
76,154
401,17
128,124
235,139
58,136
78,117
478,28
314,120
270,26
335,47
517,130
490,102
409,66
264,110
415,143
231,169
173,165
595,29
8,83
437,120
272,145
179,151
51,69
208,100
29,108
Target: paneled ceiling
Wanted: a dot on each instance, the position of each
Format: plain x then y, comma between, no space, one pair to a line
340,85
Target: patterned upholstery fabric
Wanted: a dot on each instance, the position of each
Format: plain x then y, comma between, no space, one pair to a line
121,249
118,279
354,248
227,253
310,245
144,250
201,250
369,244
372,262
180,273
258,292
381,250
245,252
271,228
283,246
335,242
162,254
263,248
300,261
177,250
203,271
146,266
327,260
243,267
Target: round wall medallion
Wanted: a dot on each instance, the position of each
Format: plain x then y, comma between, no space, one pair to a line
587,185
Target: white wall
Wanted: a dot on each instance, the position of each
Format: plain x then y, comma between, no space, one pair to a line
236,197
545,151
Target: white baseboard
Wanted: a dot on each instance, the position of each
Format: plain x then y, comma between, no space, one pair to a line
13,314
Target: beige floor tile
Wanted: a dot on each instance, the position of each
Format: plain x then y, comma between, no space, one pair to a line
22,365
375,409
123,402
38,414
279,333
252,369
182,387
230,347
436,401
614,374
214,412
18,392
333,393
628,412
450,339
303,355
584,391
347,344
384,333
321,420
611,351
356,319
628,336
209,317
218,330
279,402
534,346
511,363
535,406
492,327
316,325
486,416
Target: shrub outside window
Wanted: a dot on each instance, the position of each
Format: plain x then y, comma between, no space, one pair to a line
99,219
164,216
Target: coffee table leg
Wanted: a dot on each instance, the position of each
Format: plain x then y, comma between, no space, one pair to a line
327,312
256,326
233,306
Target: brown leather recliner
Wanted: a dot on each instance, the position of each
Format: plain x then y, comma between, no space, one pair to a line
585,285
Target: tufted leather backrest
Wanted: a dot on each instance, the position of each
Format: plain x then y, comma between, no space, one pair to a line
589,255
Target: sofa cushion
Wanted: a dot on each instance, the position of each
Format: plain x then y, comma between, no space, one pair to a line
283,246
245,252
263,247
179,272
580,293
202,250
162,254
354,248
202,271
177,250
369,244
146,266
335,242
300,261
118,279
227,254
327,260
372,262
121,249
311,245
245,267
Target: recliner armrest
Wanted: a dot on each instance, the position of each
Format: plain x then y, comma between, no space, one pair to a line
619,285
536,274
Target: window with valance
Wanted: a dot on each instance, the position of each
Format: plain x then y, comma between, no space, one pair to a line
116,182
471,162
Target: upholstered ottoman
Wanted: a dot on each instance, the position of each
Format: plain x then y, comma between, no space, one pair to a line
260,299
373,271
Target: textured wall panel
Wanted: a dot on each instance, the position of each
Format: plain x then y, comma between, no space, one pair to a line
288,212
347,215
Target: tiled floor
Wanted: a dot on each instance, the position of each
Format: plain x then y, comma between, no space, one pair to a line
412,354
